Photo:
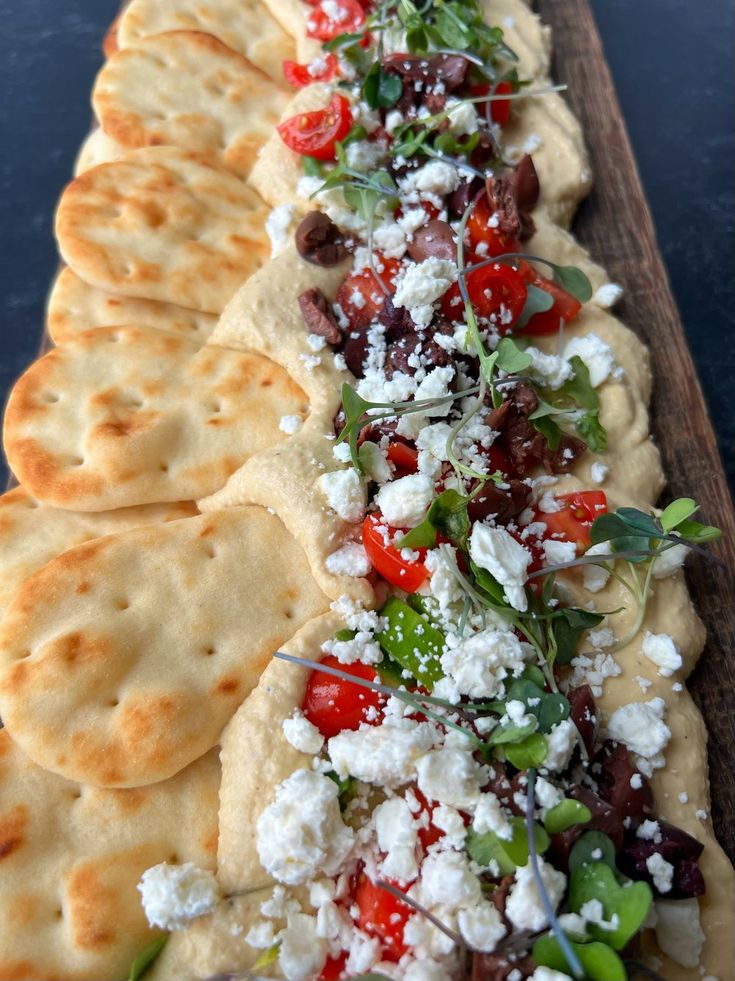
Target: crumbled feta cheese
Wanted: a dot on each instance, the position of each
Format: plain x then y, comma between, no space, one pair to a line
481,926
551,370
560,743
302,734
662,650
450,775
302,953
341,452
678,930
496,550
462,117
172,895
277,225
421,285
450,821
524,908
397,833
302,833
557,553
602,637
428,969
596,354
607,295
290,424
599,472
549,974
683,797
364,953
490,816
390,239
345,493
640,726
661,871
385,755
595,577
435,177
669,562
364,156
446,880
404,502
547,794
349,560
261,935
478,664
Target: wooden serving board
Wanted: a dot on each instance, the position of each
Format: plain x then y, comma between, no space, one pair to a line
615,224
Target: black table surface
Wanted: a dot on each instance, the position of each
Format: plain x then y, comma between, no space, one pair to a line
673,67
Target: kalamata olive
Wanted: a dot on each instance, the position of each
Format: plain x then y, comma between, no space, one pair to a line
354,350
583,712
319,241
675,846
621,785
436,239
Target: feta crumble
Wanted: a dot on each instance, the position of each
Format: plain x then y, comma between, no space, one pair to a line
172,895
662,650
302,734
404,502
496,550
421,285
345,493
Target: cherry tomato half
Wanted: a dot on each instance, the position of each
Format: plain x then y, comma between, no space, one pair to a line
404,458
566,307
301,75
348,19
382,915
499,108
572,523
497,293
333,704
481,231
314,134
387,559
360,297
334,967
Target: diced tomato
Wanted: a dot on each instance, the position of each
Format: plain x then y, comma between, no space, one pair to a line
480,230
566,307
431,210
333,704
349,19
314,134
404,458
429,833
499,108
370,296
572,523
332,970
387,559
301,75
382,915
497,459
497,293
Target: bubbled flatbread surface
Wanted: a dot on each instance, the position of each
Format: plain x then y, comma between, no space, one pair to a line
163,224
122,659
122,415
70,859
243,25
190,90
75,306
31,533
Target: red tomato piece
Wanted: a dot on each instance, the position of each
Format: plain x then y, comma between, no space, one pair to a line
499,108
361,298
497,293
405,458
301,75
333,704
314,134
382,915
349,19
480,230
566,307
572,523
387,559
333,969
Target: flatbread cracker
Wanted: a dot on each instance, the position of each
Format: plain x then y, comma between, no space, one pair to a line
163,224
71,857
244,25
75,306
189,90
31,533
122,660
125,415
96,149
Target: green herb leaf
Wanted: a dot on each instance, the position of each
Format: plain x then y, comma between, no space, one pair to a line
568,626
567,813
531,752
600,963
630,902
413,642
268,957
509,854
698,534
591,847
550,708
550,430
676,512
513,732
574,281
487,583
312,167
511,358
537,301
381,89
448,515
146,957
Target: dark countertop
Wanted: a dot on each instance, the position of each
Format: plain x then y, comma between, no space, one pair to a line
672,61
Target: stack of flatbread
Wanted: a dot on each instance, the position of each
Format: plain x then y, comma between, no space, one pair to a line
168,534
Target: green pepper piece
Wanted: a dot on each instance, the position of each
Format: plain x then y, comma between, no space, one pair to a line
413,642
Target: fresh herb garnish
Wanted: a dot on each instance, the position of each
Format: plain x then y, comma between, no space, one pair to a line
145,958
